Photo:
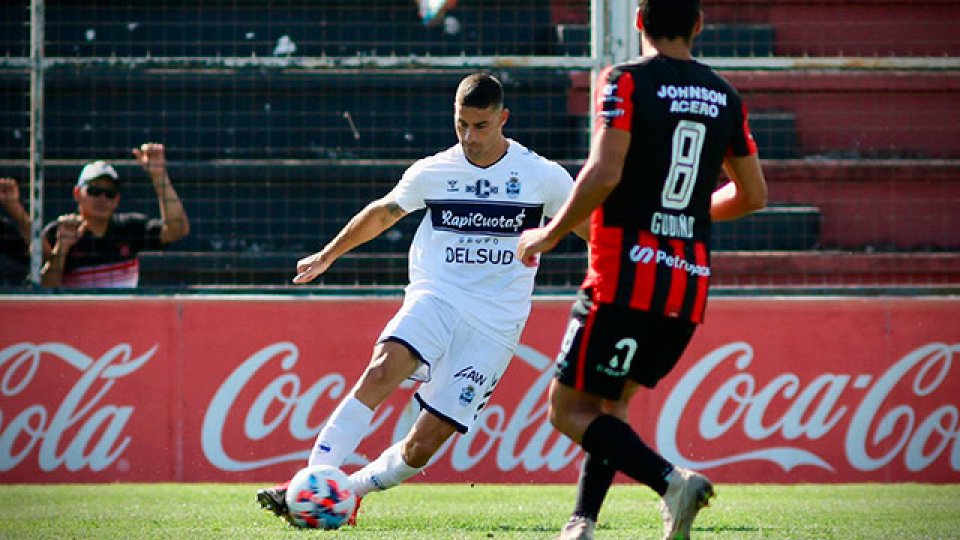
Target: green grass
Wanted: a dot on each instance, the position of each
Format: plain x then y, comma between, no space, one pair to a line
459,511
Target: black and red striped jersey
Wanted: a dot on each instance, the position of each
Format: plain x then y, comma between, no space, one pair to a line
649,241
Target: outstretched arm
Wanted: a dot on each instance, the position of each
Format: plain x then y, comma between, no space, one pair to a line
583,230
745,193
152,158
599,176
375,218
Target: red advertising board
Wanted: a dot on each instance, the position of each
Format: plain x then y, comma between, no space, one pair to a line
235,389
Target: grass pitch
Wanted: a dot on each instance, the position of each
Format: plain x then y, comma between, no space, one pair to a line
461,511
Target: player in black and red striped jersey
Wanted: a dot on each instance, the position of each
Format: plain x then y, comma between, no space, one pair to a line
666,124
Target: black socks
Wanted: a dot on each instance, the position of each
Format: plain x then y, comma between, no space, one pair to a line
613,440
595,479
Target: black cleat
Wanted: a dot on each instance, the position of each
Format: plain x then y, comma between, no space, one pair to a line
274,500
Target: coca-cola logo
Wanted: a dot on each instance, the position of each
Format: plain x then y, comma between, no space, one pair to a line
904,414
521,437
97,427
813,412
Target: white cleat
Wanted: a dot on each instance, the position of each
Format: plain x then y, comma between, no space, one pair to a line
687,493
578,528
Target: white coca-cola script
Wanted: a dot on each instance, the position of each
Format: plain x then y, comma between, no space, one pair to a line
84,405
498,431
902,413
813,411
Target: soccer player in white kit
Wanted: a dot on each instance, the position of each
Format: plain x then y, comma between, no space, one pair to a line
468,297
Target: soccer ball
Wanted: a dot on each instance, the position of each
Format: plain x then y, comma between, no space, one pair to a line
319,497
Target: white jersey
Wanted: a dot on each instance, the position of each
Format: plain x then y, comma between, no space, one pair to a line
465,248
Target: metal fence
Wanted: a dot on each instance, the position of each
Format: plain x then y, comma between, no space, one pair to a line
282,118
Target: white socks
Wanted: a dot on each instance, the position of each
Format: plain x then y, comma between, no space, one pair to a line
387,471
340,436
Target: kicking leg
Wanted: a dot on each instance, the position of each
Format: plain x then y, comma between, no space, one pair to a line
391,364
349,423
404,459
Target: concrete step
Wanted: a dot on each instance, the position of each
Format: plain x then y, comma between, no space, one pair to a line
776,228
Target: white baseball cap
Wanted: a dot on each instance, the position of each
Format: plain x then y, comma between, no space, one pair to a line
96,169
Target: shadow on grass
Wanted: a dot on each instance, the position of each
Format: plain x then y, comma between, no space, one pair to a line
727,528
523,528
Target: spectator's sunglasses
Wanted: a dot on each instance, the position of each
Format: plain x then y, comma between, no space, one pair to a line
96,191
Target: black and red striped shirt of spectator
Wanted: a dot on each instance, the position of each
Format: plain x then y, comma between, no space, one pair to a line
649,241
111,260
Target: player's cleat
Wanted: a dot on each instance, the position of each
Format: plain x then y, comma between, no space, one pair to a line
274,499
578,528
352,521
687,493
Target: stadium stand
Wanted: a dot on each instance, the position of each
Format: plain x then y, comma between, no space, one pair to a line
287,115
867,28
877,149
862,164
329,28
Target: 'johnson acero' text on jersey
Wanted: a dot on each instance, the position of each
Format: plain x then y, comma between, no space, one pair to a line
465,248
650,239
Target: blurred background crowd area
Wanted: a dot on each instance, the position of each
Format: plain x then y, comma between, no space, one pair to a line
282,118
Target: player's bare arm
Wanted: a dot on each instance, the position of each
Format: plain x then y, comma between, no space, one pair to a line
745,193
366,225
583,230
599,176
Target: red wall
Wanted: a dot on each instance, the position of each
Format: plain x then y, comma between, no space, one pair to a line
849,27
889,113
220,389
882,204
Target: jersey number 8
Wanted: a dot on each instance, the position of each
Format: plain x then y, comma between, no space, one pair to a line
688,140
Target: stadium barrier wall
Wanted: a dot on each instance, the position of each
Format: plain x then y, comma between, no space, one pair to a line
234,389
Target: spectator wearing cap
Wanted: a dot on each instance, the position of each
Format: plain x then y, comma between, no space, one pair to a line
97,247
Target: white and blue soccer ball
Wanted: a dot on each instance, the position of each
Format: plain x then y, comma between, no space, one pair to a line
319,497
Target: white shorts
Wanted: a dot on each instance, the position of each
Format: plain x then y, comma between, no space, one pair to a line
460,365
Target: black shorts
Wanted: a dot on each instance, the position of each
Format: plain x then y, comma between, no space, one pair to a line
605,344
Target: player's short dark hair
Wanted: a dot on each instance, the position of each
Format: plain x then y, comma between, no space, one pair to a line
669,19
480,90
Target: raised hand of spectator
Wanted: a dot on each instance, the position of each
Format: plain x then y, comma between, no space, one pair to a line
10,202
70,227
9,194
152,157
